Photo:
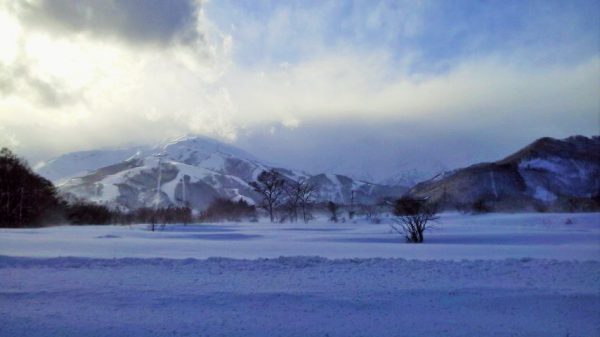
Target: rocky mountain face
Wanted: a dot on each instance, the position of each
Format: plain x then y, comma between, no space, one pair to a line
547,174
194,170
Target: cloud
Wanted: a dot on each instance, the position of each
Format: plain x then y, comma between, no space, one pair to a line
357,120
357,86
74,80
105,73
135,21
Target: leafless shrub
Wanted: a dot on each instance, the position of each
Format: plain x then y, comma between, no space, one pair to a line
413,218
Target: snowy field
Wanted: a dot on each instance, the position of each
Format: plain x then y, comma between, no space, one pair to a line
488,275
456,236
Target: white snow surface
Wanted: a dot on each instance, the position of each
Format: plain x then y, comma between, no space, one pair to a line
297,296
485,275
181,148
455,237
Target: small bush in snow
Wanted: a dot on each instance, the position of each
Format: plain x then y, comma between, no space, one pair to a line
413,218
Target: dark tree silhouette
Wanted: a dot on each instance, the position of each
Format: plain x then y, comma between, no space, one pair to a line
292,191
86,213
414,217
300,196
307,193
270,185
26,199
225,209
333,208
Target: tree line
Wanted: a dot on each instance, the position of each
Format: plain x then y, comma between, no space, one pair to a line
25,198
28,200
412,216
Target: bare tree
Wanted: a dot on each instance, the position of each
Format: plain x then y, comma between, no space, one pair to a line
351,212
293,192
370,211
414,217
308,194
270,184
300,194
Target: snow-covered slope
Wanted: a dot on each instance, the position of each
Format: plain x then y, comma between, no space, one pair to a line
547,172
193,150
196,170
132,184
339,188
80,163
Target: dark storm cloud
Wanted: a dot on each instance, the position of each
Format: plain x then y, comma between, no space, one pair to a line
136,21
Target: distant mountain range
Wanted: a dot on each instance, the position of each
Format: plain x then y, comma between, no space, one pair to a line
548,172
195,170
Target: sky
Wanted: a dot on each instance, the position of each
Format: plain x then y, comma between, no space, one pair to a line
369,88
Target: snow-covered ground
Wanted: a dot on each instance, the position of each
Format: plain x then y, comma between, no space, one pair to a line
488,275
456,236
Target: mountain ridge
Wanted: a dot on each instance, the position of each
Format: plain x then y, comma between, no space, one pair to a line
545,173
196,170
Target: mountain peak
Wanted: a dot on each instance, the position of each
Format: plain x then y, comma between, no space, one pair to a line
195,149
574,147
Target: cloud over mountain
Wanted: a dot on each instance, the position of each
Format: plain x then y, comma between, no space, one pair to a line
83,75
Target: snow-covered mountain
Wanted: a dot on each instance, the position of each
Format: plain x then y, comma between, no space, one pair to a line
189,149
82,162
547,172
195,170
